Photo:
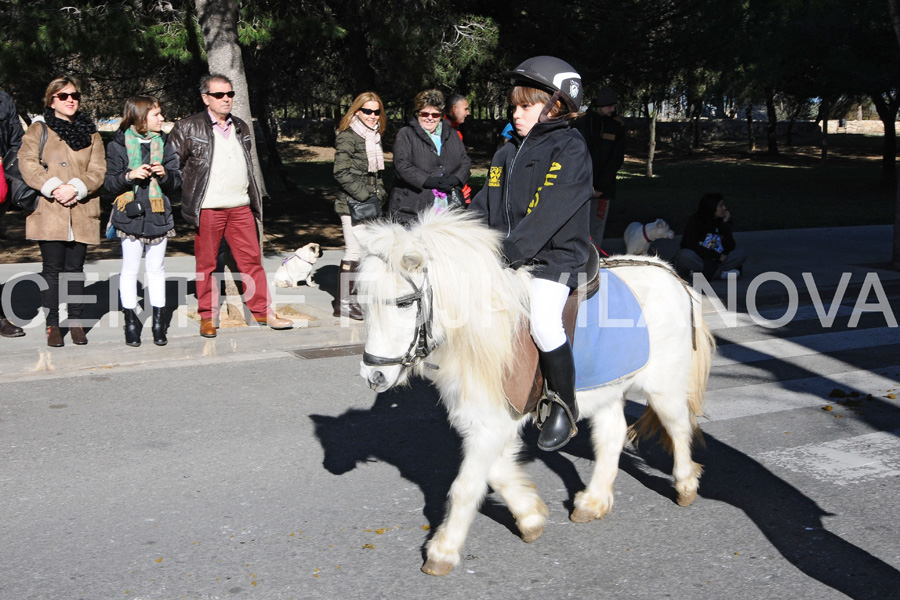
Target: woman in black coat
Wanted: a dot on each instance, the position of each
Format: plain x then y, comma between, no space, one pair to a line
708,245
141,170
430,160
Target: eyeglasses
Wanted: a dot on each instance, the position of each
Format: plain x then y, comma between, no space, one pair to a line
76,96
425,115
220,95
370,111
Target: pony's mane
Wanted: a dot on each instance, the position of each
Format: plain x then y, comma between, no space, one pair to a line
478,303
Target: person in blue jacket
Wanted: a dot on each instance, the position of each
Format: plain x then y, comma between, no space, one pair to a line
538,194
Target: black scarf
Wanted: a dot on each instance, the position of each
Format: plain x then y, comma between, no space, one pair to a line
76,133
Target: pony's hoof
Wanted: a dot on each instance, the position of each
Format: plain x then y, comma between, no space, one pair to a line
437,567
687,499
579,515
529,535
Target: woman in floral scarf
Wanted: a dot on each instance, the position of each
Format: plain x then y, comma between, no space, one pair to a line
358,169
141,171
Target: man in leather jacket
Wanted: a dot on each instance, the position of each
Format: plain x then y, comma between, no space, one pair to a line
220,197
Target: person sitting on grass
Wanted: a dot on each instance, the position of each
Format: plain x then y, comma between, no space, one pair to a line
708,245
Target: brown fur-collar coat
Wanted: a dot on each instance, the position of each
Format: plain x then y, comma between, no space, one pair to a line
84,169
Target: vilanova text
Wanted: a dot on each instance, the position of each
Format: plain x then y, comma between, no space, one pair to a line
870,286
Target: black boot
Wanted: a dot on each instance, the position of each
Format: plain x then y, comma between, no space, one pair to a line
132,328
559,372
8,328
159,326
345,305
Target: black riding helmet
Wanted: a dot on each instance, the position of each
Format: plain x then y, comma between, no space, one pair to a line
552,75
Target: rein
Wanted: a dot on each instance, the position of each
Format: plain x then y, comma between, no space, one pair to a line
422,343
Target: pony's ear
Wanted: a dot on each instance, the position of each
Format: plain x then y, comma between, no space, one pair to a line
413,259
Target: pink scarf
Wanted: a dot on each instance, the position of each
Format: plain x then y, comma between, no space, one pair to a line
374,153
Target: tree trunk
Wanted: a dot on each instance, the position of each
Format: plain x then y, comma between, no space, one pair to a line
887,112
895,20
751,135
824,112
651,116
772,124
218,21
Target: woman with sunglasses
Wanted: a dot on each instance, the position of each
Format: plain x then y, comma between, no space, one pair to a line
430,160
67,219
142,171
358,168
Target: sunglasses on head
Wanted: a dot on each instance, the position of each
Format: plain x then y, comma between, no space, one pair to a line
425,114
220,95
76,96
370,111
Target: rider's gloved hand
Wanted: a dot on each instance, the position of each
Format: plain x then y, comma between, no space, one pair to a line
514,259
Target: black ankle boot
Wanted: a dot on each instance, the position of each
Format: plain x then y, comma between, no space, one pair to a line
159,326
559,372
132,328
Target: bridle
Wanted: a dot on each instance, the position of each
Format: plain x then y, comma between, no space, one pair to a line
423,342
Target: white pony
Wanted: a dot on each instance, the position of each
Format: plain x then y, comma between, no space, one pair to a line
439,303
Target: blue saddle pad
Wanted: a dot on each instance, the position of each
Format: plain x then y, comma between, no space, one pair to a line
611,338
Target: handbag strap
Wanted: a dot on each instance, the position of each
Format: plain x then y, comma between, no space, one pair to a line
43,143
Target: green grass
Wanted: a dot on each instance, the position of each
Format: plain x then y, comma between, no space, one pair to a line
760,196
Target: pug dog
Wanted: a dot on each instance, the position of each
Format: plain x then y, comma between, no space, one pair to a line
298,267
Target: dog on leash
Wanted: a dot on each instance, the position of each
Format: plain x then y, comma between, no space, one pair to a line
298,267
638,237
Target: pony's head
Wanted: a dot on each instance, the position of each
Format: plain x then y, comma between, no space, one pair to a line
438,286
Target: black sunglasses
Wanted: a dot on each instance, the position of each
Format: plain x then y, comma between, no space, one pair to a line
220,95
425,114
76,96
370,111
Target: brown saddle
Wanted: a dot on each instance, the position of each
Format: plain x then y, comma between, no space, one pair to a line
523,392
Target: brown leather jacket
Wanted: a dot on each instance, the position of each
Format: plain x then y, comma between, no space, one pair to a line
192,141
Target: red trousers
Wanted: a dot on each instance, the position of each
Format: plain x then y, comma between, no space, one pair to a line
238,225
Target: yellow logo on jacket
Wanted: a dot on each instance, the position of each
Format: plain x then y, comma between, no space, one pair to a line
548,181
494,178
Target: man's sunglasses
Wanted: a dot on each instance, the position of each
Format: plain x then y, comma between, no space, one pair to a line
76,96
425,114
370,111
220,95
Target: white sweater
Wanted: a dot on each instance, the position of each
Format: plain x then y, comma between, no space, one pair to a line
228,177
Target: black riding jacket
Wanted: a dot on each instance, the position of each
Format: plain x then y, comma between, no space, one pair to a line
537,193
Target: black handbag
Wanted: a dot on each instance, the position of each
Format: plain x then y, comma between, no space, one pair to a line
367,210
24,197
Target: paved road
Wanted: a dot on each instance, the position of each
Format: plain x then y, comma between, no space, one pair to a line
271,476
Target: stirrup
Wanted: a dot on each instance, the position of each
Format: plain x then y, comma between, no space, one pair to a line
545,403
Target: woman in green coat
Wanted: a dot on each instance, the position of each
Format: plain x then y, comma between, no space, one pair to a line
358,168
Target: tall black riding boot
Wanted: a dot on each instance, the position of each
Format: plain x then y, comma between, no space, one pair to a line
132,328
159,326
559,371
345,305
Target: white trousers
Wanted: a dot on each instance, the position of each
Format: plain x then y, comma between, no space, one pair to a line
548,299
132,251
352,249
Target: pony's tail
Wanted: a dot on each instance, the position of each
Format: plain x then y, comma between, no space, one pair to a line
649,424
